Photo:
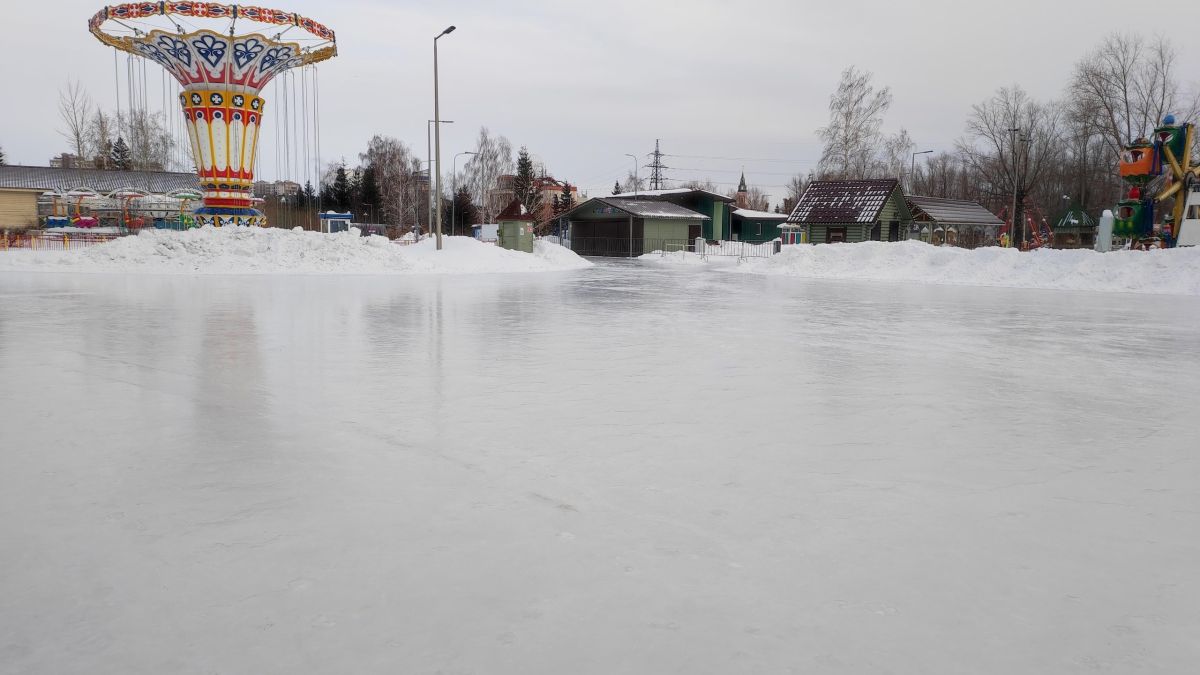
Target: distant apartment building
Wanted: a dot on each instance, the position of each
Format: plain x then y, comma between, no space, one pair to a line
279,188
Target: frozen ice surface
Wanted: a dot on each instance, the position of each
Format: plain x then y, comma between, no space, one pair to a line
624,469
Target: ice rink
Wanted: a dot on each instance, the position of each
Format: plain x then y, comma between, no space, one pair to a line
633,468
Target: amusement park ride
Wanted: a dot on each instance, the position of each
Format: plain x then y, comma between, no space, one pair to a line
222,75
1160,170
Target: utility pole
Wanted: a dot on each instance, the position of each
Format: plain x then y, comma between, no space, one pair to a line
656,168
1015,232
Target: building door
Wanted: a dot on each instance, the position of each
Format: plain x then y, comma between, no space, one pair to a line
875,231
894,231
834,235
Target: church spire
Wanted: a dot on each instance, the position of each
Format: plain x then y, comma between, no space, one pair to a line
742,184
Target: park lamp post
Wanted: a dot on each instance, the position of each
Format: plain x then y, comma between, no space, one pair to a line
429,164
454,185
635,174
437,134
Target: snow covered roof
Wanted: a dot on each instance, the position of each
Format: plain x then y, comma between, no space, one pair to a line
639,208
843,201
652,194
514,211
759,215
52,179
954,211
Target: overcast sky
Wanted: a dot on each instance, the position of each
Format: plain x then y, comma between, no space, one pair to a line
582,83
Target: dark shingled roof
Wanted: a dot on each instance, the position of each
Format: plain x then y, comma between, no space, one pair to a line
954,211
843,201
50,179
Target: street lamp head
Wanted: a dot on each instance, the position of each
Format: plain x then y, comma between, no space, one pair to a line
446,32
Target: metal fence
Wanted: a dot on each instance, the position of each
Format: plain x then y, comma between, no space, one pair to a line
623,247
49,240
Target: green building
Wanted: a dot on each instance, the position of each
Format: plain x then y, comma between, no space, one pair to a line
626,227
832,211
755,226
715,207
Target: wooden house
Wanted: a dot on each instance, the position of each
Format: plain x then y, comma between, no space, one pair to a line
833,211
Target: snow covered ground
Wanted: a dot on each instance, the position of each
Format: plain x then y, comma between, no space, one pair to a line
271,250
628,468
1175,271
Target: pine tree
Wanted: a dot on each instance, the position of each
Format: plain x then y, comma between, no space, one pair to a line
464,211
3,157
566,200
340,197
617,188
369,198
309,195
122,158
523,183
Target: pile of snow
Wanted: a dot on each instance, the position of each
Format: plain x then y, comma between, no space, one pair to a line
1174,271
245,250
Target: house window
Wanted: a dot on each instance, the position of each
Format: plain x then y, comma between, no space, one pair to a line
834,235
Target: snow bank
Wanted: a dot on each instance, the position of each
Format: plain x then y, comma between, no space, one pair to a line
272,250
1175,271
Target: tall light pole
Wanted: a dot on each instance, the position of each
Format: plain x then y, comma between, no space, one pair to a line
454,185
429,167
437,135
912,168
1015,228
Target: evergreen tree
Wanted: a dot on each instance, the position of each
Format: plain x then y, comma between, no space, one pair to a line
523,184
565,200
325,197
340,194
309,195
464,212
122,158
617,188
369,195
3,157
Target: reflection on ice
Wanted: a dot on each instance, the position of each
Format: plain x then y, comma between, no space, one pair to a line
627,468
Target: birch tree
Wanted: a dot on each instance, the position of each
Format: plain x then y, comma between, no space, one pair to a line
75,113
856,111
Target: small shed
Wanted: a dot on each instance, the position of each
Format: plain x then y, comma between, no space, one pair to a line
515,227
331,221
1076,229
833,211
715,208
954,222
756,226
626,227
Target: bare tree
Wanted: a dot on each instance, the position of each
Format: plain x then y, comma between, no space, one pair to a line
1125,86
1012,142
705,184
397,172
856,111
75,112
492,159
895,155
100,138
633,183
150,143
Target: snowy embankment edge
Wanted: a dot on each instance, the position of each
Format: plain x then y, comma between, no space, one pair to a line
245,251
1160,272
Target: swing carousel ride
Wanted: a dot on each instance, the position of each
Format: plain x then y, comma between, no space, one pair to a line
222,74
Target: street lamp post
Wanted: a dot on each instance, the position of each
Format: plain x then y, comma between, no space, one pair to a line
635,192
437,135
454,186
912,168
429,165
